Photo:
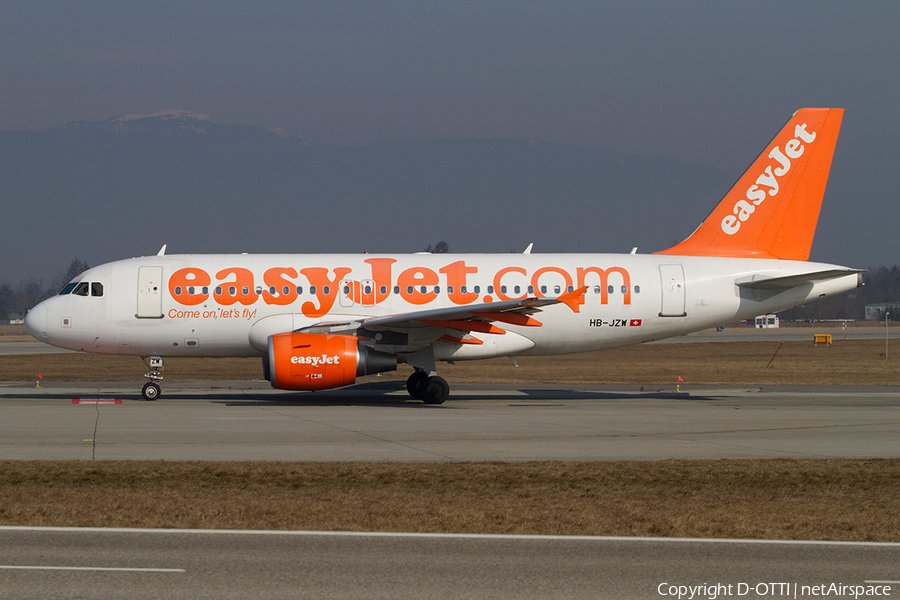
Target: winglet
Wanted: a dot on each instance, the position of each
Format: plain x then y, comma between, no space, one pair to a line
574,299
773,209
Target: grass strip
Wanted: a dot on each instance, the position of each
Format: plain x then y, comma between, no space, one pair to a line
833,499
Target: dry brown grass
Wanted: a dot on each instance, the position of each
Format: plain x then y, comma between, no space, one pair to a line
773,499
847,362
9,333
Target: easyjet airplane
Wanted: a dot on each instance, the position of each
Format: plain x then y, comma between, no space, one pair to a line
320,321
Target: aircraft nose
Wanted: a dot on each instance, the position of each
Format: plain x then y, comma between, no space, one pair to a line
36,322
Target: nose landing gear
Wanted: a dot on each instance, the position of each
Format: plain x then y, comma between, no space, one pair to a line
151,389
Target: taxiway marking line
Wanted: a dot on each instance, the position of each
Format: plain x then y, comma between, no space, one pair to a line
495,536
55,568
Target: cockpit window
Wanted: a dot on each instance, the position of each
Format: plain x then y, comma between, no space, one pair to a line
81,289
96,289
68,289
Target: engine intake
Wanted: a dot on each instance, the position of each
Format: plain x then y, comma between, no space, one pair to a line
315,361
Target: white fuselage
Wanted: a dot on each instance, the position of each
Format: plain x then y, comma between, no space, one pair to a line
228,305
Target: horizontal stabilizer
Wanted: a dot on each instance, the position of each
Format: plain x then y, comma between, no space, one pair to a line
792,281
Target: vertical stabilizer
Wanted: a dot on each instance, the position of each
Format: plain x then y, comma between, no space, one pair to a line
773,209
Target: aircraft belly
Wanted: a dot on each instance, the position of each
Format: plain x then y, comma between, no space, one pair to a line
509,344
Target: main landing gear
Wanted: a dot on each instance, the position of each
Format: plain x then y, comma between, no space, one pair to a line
428,389
151,389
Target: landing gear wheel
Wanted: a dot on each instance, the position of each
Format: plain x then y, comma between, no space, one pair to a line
434,390
150,391
414,382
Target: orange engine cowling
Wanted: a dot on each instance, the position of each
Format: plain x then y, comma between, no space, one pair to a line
315,361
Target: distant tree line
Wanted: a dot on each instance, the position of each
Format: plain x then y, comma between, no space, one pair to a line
31,290
882,285
441,247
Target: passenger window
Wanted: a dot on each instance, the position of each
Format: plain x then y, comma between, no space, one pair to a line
490,289
285,290
502,289
637,289
556,289
177,290
383,290
299,290
530,289
368,289
312,290
232,291
326,290
610,289
477,289
543,289
218,290
437,289
409,290
450,289
397,289
624,289
347,290
462,289
81,289
596,289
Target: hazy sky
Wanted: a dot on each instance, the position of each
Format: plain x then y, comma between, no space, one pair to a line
709,82
671,78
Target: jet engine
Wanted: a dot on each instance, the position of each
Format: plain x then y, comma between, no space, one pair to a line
315,361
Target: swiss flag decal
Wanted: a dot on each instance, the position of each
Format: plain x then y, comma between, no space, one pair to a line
634,323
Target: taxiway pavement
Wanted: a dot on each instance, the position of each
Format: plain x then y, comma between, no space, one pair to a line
236,421
85,563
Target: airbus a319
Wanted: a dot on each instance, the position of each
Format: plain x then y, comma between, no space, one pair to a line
320,321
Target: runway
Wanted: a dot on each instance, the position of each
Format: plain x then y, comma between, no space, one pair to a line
204,564
237,421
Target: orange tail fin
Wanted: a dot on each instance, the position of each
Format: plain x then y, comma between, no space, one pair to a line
773,209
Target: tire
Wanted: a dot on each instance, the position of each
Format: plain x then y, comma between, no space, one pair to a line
414,382
435,390
150,391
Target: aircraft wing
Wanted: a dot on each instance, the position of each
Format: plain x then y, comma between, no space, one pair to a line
465,319
792,281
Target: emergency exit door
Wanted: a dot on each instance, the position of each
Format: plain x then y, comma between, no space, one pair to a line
149,300
672,278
